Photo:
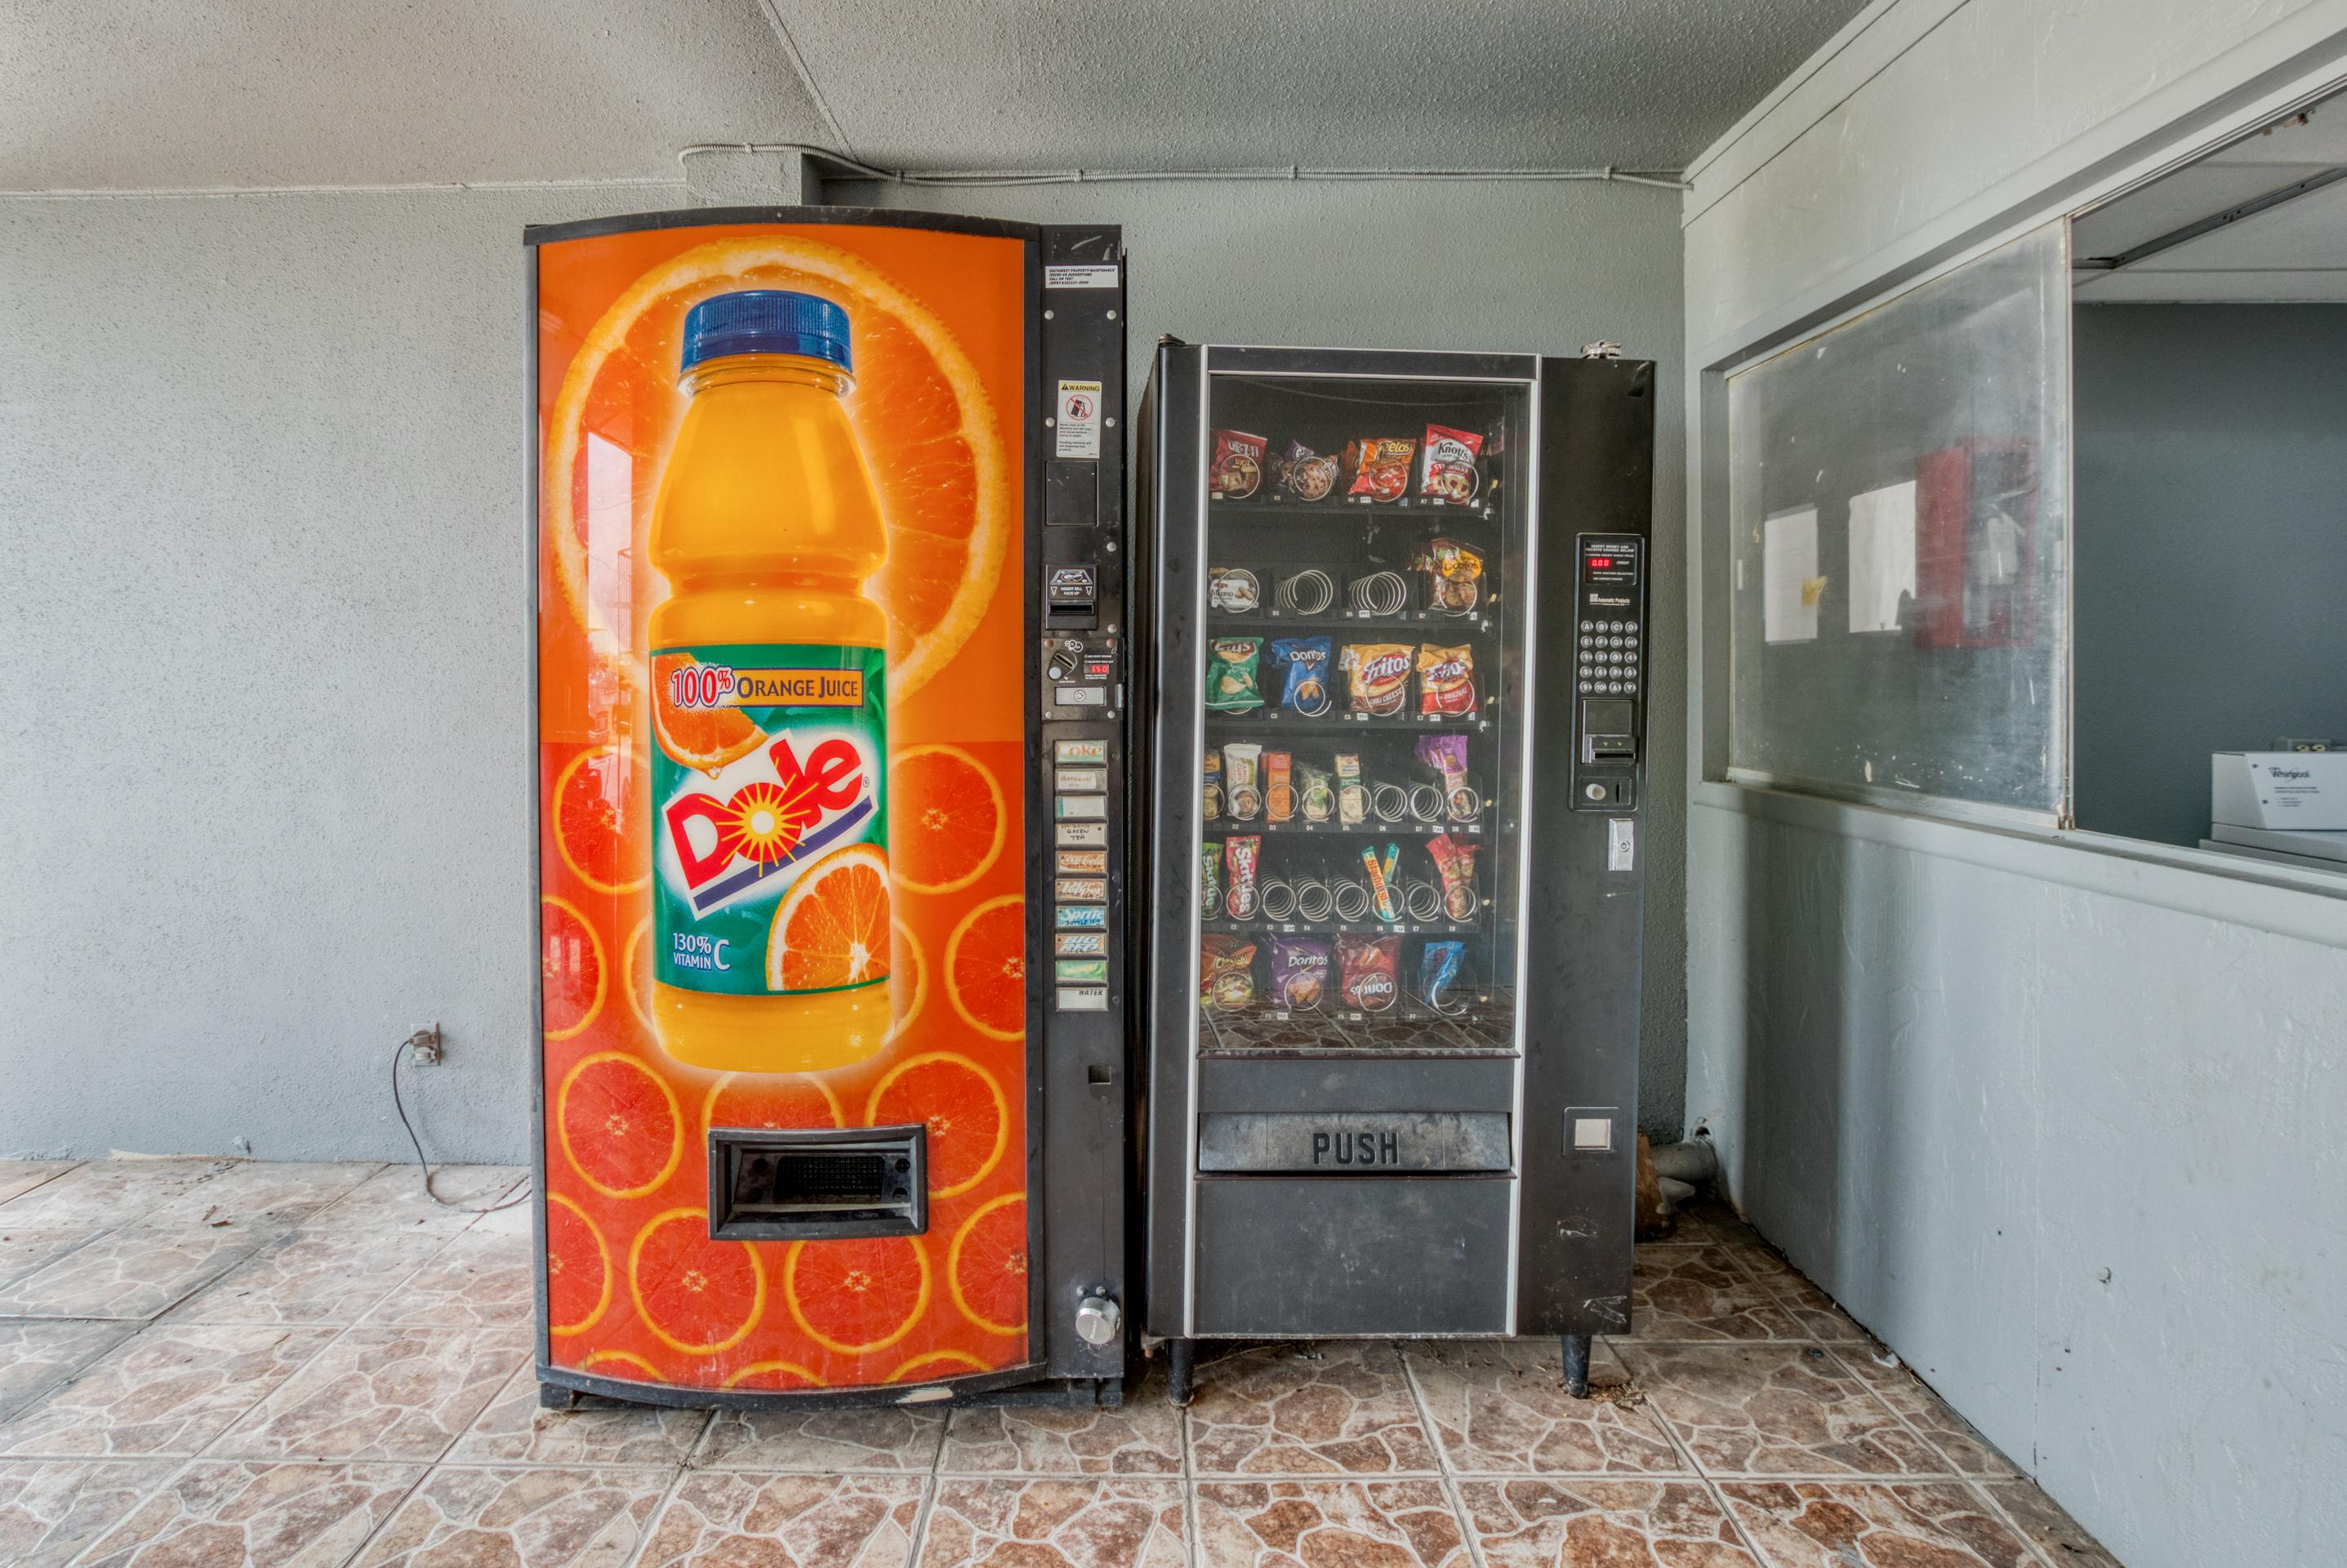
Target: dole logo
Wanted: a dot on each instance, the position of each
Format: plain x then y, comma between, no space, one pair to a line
769,824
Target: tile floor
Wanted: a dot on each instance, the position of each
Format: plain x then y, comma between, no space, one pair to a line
216,1362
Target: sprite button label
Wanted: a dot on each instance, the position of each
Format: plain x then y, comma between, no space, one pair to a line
772,759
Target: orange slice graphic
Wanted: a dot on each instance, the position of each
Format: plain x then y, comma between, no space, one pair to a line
571,968
920,413
986,1268
831,928
623,1363
986,968
703,738
620,1125
908,979
857,1296
773,1375
934,1364
948,821
599,801
969,1121
578,1268
636,971
770,1099
695,1294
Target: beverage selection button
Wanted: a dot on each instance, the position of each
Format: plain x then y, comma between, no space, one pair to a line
1066,752
1081,834
1081,807
1083,999
1080,863
1080,944
1080,887
1079,969
1080,781
1081,917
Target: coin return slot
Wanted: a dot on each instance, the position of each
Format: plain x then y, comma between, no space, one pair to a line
817,1183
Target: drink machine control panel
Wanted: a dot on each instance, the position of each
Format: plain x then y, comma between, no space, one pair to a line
1610,676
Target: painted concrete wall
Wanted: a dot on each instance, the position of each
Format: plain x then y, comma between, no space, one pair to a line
261,463
2211,507
1958,1072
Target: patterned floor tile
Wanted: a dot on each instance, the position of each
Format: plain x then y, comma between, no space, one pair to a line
27,1249
105,1193
513,1221
1055,1522
314,1276
1141,1436
717,1519
1529,1523
35,1355
1836,1523
50,1510
254,1191
1775,1409
1373,1524
21,1176
1812,1306
458,1518
169,1389
1499,1407
2043,1520
381,1394
132,1274
393,1199
1966,1452
514,1429
1710,1222
232,1515
1699,1293
882,1438
1342,1407
483,1281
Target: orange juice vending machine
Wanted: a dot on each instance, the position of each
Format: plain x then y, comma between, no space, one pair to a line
828,547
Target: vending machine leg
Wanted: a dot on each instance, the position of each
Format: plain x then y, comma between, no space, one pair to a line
555,1397
1181,1371
1576,1365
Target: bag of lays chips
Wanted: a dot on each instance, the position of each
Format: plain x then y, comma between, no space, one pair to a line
1446,680
1232,686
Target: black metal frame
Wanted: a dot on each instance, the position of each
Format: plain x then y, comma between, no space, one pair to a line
1062,1368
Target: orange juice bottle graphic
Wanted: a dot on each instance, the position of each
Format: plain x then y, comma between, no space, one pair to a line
770,859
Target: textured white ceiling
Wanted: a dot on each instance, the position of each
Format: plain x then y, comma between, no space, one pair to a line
214,94
2295,252
204,94
1219,83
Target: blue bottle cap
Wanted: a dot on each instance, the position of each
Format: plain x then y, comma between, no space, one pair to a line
767,320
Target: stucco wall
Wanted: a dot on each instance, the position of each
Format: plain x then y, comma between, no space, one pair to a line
2050,1120
266,730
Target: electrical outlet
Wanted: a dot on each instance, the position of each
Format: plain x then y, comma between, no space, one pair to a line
423,1046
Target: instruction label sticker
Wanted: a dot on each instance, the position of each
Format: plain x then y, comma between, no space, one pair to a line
1087,275
1078,426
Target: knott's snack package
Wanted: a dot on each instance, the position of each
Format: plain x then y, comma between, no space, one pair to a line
1225,970
1210,795
1306,474
1352,794
1379,467
1447,468
1369,971
1299,972
1320,793
1377,676
1237,468
1279,788
1232,686
1454,576
1244,794
1446,680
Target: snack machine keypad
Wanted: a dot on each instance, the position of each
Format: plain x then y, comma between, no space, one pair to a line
1609,670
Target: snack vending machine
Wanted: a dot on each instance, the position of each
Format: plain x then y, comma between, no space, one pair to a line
828,564
1397,614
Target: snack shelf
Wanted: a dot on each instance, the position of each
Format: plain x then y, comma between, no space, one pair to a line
1410,1029
1224,826
1279,719
1239,623
1344,927
1352,509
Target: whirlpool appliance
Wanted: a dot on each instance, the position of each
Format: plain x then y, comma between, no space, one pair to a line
939,1213
1397,616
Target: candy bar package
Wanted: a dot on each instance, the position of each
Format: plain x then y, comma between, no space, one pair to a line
1231,683
1438,972
1225,970
1377,676
1210,877
1301,664
1379,466
1210,794
1369,972
1446,680
1446,469
1305,473
1352,794
1237,468
1381,890
1318,797
1455,863
1299,972
1454,576
1243,793
1241,853
1233,590
1278,787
